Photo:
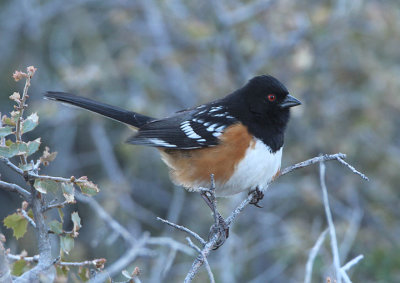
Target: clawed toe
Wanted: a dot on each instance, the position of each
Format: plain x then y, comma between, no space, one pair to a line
257,196
222,229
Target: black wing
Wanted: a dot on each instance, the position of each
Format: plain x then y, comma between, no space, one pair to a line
194,128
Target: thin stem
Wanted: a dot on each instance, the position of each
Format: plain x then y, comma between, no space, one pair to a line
15,188
184,229
332,232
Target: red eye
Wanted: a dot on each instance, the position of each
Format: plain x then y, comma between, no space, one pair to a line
271,97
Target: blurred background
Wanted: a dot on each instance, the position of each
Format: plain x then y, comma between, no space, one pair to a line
340,58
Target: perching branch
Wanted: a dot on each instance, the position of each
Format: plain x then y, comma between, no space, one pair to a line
213,239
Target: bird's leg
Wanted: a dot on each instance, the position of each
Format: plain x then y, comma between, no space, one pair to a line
219,225
257,196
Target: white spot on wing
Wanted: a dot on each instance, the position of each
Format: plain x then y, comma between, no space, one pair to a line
188,130
161,142
212,127
220,128
215,108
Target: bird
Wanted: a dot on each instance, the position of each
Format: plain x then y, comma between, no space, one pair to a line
238,138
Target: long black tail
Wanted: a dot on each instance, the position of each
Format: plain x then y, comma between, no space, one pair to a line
128,117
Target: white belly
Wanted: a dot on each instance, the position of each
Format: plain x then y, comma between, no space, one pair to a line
256,169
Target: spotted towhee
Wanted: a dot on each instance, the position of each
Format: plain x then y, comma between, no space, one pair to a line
238,138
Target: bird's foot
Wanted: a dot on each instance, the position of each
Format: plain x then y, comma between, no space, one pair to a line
222,229
257,196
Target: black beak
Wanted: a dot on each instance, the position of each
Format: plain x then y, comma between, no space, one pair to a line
289,101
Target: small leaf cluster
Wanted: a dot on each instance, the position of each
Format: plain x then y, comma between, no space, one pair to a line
17,152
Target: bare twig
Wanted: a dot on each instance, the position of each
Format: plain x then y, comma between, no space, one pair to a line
32,175
352,262
352,169
116,226
198,262
54,205
13,257
332,232
26,216
312,255
15,188
325,157
229,220
167,241
349,265
123,261
207,265
35,258
21,107
184,229
94,262
43,268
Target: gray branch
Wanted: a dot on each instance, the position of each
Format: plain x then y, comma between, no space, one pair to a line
15,188
198,262
332,232
312,255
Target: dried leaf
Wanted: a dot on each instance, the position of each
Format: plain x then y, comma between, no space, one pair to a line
47,156
68,192
17,223
76,220
88,187
15,96
18,75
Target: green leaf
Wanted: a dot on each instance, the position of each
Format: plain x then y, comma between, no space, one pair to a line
18,148
56,227
5,131
4,151
84,274
17,223
68,192
11,149
88,188
18,267
8,121
62,270
25,167
76,220
67,243
33,146
45,186
30,123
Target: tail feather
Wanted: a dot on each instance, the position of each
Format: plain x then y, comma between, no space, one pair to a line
128,117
